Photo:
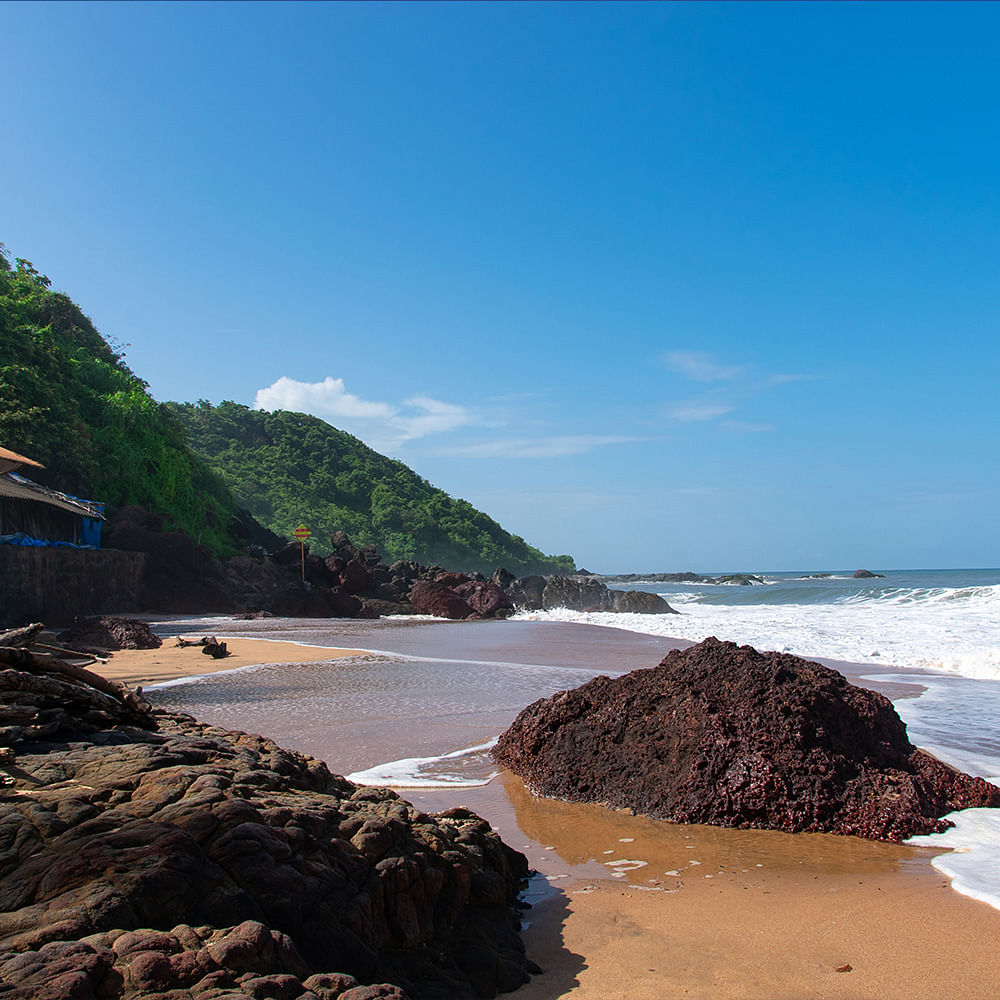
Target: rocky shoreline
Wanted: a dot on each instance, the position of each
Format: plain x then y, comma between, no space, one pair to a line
276,577
144,853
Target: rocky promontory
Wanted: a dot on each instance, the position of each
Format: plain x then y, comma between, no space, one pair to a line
727,735
146,854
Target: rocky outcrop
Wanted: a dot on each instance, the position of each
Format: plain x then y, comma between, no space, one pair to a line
431,598
145,854
582,594
867,574
107,633
731,736
639,602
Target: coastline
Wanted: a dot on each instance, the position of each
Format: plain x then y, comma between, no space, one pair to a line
779,925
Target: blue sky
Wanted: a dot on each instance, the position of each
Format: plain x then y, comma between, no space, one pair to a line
663,286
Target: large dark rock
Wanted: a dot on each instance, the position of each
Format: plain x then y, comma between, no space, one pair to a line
428,598
526,592
584,594
105,632
638,602
867,574
144,853
486,599
724,734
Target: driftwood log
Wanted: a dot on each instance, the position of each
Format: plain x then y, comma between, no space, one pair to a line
24,659
24,636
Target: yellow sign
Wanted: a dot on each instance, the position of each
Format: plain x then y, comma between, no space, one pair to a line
302,533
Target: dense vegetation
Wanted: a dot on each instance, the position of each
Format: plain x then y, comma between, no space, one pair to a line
288,468
69,401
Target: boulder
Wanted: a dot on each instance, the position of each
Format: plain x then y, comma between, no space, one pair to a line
727,735
578,595
867,574
355,577
427,598
486,599
105,632
638,602
526,592
146,854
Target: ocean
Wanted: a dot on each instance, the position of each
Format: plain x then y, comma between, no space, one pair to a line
420,709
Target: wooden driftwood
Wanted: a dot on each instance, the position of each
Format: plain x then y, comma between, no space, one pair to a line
24,636
73,654
24,659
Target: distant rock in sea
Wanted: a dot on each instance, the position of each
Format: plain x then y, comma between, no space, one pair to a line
724,734
867,574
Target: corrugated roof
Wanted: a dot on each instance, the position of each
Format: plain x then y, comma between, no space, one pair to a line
10,460
19,488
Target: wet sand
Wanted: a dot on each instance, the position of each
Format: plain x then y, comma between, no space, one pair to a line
627,907
142,667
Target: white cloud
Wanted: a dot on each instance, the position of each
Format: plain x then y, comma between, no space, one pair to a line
381,425
547,447
696,409
699,366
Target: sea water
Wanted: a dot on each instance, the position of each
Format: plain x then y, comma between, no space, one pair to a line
423,705
939,628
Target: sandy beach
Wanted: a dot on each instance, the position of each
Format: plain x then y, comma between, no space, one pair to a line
629,907
143,667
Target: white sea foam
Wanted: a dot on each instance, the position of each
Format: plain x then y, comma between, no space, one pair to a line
955,630
973,862
467,767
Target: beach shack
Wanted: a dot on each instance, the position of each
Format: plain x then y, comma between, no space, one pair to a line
35,515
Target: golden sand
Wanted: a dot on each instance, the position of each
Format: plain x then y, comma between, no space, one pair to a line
153,666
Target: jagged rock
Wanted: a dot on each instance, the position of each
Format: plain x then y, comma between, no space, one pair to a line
738,579
105,632
731,736
355,577
290,554
526,592
452,580
638,602
427,598
577,595
486,599
867,574
145,853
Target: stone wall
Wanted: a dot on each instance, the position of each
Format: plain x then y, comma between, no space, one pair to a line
55,585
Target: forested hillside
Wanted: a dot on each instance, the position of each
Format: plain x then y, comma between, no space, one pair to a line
70,402
287,468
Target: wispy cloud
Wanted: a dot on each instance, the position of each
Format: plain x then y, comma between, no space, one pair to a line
699,366
381,425
545,447
742,383
693,410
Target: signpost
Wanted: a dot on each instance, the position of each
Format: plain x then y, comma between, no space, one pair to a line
302,533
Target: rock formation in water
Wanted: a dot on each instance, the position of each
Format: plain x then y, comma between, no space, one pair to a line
724,734
144,854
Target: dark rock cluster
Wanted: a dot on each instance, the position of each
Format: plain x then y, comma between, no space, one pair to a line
727,735
143,854
105,632
351,582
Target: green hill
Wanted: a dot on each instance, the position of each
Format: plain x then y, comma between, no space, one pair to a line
69,401
288,468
